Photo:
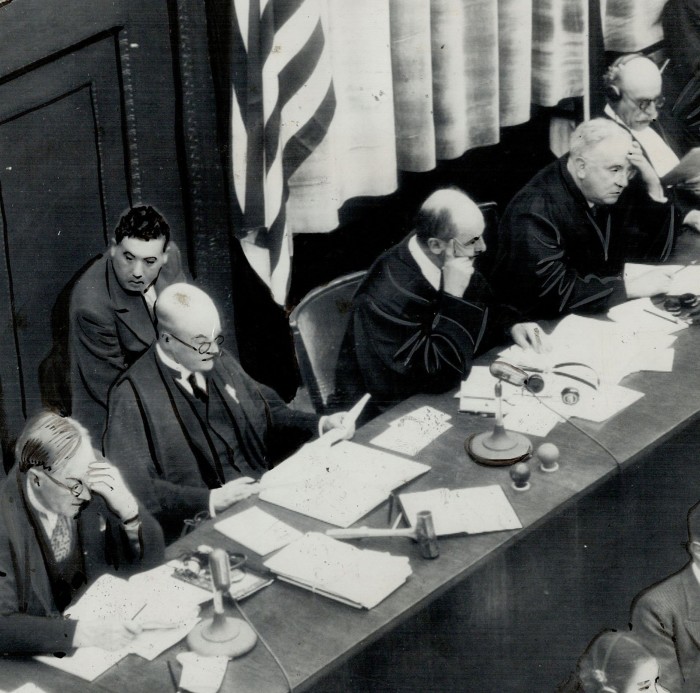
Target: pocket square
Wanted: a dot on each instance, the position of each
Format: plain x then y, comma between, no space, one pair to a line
232,394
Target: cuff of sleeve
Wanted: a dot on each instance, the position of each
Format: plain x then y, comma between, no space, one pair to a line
321,424
212,509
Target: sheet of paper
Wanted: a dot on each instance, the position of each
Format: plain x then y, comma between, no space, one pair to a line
86,663
201,674
480,384
598,406
465,510
642,315
528,415
258,530
412,432
686,281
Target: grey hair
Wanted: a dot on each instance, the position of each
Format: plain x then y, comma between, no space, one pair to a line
591,132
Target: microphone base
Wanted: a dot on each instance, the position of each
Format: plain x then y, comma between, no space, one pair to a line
222,636
479,448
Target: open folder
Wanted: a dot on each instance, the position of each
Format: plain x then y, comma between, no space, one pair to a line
340,571
338,484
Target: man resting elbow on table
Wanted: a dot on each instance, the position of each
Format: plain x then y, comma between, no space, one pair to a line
66,517
423,312
190,430
565,238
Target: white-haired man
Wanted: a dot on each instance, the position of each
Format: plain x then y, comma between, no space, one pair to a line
565,237
66,517
633,92
190,430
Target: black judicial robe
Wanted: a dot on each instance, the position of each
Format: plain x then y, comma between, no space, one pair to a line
406,337
556,256
170,455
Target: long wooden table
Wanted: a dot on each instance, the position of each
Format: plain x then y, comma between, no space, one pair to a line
313,635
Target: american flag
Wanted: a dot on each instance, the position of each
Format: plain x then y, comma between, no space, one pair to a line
282,104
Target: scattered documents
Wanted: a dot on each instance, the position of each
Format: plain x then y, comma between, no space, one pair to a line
338,484
641,315
464,510
258,531
412,432
149,602
530,416
598,406
341,571
201,674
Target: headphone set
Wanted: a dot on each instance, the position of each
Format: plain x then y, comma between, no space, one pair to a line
612,75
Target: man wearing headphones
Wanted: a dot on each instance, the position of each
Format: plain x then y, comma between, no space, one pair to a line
633,94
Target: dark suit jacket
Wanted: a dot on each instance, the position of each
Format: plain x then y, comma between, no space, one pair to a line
109,329
666,618
552,258
29,620
406,337
167,454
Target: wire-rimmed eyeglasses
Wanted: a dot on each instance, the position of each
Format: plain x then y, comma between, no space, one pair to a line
645,104
204,347
76,489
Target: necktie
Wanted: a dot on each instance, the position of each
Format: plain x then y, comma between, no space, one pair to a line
197,391
62,538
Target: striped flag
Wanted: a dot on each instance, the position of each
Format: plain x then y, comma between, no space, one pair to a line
282,104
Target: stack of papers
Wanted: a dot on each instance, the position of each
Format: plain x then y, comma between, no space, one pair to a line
146,599
410,433
463,510
338,484
341,571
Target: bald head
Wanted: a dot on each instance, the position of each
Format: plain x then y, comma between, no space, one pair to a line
638,83
187,322
444,213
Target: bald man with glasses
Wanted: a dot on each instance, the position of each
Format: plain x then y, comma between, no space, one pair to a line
633,86
424,311
564,239
188,428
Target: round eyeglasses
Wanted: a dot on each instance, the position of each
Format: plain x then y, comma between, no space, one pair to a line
204,347
76,489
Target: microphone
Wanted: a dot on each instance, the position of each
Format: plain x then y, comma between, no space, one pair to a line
517,376
221,635
220,569
500,447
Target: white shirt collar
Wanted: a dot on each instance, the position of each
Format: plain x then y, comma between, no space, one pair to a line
661,156
696,570
47,517
184,372
428,269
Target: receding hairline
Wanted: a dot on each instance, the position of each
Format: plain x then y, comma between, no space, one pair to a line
180,301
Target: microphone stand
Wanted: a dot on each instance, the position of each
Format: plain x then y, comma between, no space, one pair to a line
499,447
221,635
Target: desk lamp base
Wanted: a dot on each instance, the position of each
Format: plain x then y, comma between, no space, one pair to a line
498,448
222,636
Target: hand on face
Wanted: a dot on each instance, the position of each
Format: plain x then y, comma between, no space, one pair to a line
456,271
637,159
106,480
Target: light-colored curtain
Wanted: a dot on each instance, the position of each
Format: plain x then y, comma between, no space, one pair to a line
414,82
632,25
417,81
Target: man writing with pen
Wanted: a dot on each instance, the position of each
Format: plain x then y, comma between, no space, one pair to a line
424,311
66,517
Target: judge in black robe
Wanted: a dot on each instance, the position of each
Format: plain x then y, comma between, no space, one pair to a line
408,334
565,237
